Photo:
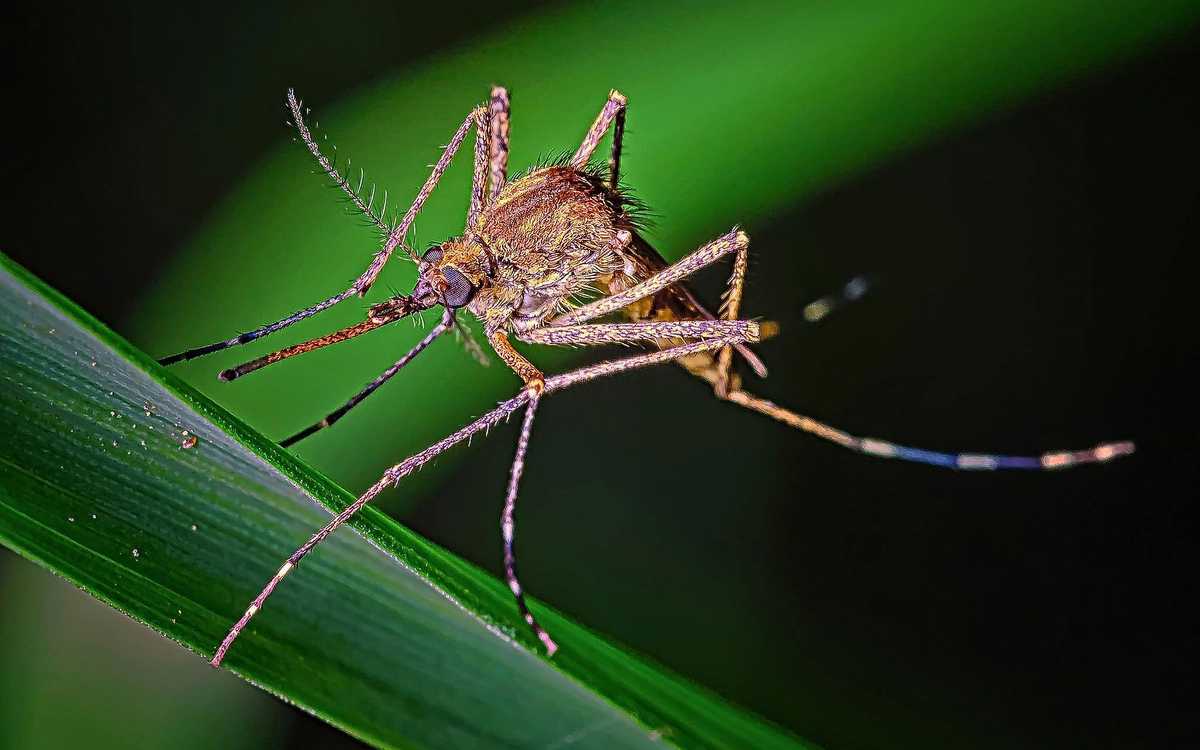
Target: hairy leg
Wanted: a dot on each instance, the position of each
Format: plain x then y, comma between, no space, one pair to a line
412,463
731,305
533,378
1059,459
616,104
499,116
593,334
479,180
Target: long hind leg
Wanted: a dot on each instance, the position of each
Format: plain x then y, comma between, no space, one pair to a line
1059,459
705,366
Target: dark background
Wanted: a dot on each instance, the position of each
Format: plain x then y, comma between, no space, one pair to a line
1030,293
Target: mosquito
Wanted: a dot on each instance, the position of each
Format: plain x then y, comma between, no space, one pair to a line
541,259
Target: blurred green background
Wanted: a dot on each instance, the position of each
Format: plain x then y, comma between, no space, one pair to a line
1022,208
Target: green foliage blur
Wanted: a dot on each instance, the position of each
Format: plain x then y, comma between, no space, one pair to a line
858,603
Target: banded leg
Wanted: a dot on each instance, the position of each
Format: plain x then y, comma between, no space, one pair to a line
395,235
508,529
1061,459
412,463
446,324
616,104
498,124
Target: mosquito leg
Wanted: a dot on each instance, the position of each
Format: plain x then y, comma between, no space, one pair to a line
717,374
616,103
614,160
535,381
508,529
885,449
412,463
626,333
706,255
498,124
446,324
479,180
731,305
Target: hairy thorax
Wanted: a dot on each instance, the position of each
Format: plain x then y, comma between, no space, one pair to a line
551,234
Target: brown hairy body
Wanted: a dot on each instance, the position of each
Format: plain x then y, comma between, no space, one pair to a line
557,237
554,236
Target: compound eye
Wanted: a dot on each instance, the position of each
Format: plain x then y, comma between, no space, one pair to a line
458,288
433,254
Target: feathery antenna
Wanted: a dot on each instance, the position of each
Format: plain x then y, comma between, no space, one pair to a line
342,178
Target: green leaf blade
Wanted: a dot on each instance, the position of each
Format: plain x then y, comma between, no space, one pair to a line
98,487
